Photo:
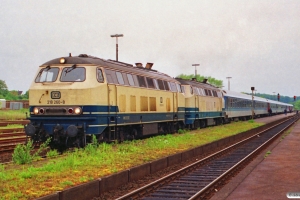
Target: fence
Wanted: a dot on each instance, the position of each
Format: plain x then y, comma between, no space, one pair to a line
16,104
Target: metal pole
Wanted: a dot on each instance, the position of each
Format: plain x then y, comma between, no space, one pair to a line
195,69
228,82
252,88
252,106
116,48
116,36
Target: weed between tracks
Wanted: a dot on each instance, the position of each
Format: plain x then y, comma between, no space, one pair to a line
34,180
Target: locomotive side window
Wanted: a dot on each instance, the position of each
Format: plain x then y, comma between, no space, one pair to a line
47,75
178,87
215,93
206,92
111,76
167,87
73,74
182,89
120,78
155,84
130,79
124,75
196,92
142,81
173,86
161,85
100,75
136,82
200,91
150,82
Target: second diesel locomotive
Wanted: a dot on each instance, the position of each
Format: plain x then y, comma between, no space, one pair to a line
75,97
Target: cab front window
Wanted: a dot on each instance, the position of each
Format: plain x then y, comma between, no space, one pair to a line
73,74
48,74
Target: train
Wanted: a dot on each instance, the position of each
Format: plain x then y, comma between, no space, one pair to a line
73,98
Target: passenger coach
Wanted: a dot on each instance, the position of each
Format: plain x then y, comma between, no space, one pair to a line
239,106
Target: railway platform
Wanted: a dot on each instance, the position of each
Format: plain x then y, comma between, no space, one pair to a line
269,176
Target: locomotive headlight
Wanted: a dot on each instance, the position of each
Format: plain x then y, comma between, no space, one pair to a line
62,60
36,111
77,110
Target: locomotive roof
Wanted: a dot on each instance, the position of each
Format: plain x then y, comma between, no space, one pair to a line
111,64
196,84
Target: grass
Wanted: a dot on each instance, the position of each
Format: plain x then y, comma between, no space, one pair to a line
13,114
267,154
36,179
12,126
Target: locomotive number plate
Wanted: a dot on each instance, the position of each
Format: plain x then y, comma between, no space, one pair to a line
56,102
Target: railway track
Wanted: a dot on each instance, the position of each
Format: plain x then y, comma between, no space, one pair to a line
9,138
200,179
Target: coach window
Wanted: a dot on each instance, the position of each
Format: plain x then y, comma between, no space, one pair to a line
47,75
100,75
191,89
150,82
120,78
160,84
142,81
73,74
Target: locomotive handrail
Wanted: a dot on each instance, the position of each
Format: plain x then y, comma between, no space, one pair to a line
52,83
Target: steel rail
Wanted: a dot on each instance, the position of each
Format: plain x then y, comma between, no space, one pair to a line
179,173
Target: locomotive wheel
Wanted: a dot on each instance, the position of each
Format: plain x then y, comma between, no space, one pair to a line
202,124
197,124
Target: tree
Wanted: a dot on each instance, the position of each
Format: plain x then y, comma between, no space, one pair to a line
213,81
3,85
297,105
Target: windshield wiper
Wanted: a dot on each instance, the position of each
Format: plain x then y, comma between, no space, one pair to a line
47,69
70,69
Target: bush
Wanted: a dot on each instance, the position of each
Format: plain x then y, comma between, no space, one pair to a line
22,154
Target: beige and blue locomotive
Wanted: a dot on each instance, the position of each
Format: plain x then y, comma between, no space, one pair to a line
75,97
203,104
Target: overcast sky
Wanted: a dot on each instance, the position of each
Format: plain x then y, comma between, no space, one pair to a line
255,42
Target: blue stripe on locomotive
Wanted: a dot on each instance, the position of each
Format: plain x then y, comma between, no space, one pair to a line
191,114
96,118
